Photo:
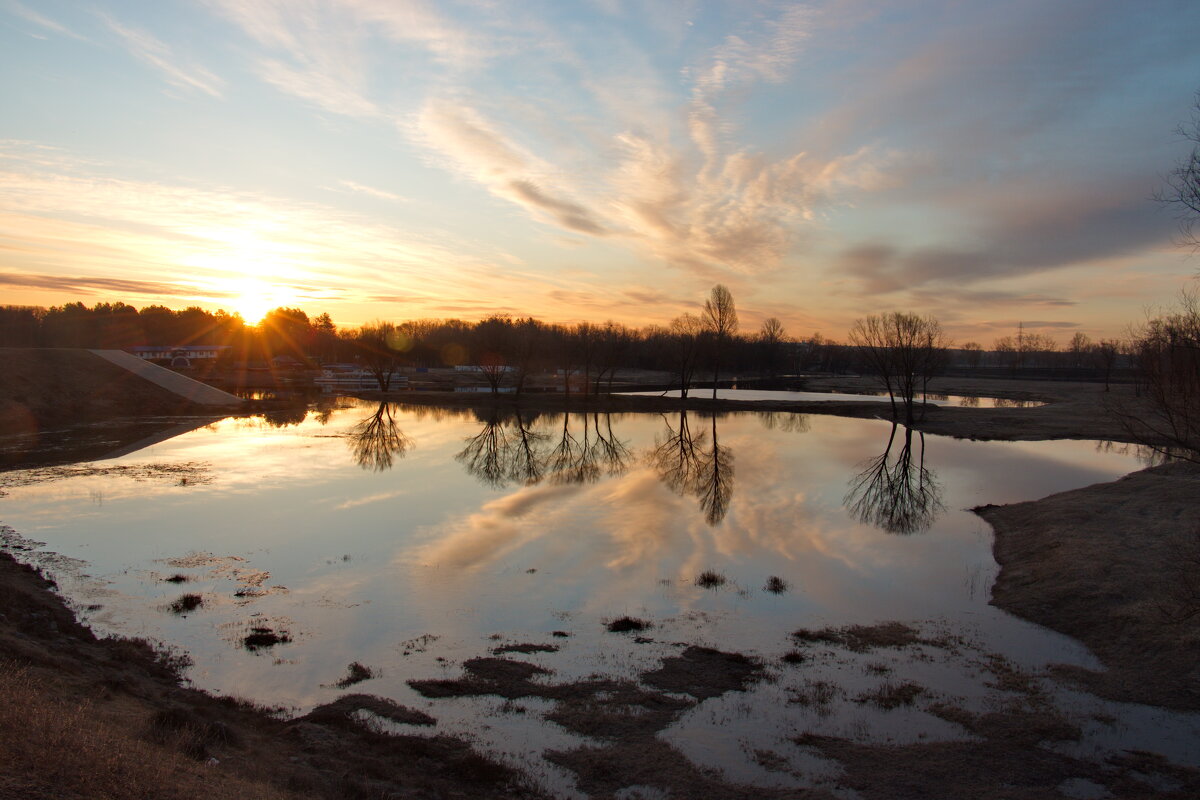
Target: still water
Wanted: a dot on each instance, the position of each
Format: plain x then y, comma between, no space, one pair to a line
410,539
963,401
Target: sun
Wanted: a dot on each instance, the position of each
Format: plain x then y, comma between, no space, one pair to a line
255,298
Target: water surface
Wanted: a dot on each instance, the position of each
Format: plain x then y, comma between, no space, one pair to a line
410,539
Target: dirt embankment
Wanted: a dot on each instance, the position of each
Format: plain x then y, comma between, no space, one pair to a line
47,388
1116,566
1073,410
88,718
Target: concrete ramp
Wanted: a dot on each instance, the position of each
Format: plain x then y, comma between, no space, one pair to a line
195,391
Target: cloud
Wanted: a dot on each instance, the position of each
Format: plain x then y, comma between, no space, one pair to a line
320,51
1011,324
94,285
371,191
145,47
60,218
330,91
473,146
569,215
737,62
29,15
1088,224
986,297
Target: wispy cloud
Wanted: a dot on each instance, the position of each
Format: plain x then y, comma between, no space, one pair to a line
320,51
66,220
150,50
29,15
472,146
96,285
371,191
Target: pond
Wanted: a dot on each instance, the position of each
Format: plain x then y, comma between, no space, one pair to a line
410,539
964,401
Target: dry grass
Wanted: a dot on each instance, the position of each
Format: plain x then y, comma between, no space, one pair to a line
52,748
890,695
862,638
776,585
355,673
186,603
626,624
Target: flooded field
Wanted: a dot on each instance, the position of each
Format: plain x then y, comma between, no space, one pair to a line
962,401
418,554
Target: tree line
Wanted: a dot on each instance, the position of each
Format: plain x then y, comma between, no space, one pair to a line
689,345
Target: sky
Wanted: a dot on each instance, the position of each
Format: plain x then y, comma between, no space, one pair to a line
989,163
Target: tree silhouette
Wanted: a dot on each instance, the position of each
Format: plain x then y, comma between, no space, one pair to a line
721,322
676,455
688,468
377,440
900,496
486,454
714,480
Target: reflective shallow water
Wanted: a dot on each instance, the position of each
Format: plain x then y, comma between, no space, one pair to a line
411,539
963,401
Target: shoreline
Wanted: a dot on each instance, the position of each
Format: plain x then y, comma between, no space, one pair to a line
1066,562
1114,566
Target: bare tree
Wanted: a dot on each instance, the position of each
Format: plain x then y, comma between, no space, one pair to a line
714,480
612,345
377,440
771,337
905,351
973,352
380,347
1167,353
900,496
493,340
721,321
676,455
686,330
1182,189
1080,348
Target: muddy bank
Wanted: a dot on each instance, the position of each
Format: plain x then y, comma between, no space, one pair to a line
109,718
1116,566
50,388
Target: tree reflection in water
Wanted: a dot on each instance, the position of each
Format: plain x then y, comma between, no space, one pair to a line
509,451
715,484
900,496
686,467
377,441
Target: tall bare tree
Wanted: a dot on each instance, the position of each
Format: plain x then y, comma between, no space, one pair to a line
771,337
900,496
721,322
1182,189
377,441
905,351
686,330
380,348
1167,352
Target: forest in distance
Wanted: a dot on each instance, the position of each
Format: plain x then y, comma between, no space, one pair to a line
290,333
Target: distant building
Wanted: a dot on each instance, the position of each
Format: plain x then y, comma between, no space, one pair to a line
181,356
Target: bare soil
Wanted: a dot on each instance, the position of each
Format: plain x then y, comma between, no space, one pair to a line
51,387
1116,566
82,717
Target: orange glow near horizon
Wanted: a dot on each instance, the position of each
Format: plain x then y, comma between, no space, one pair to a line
255,298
